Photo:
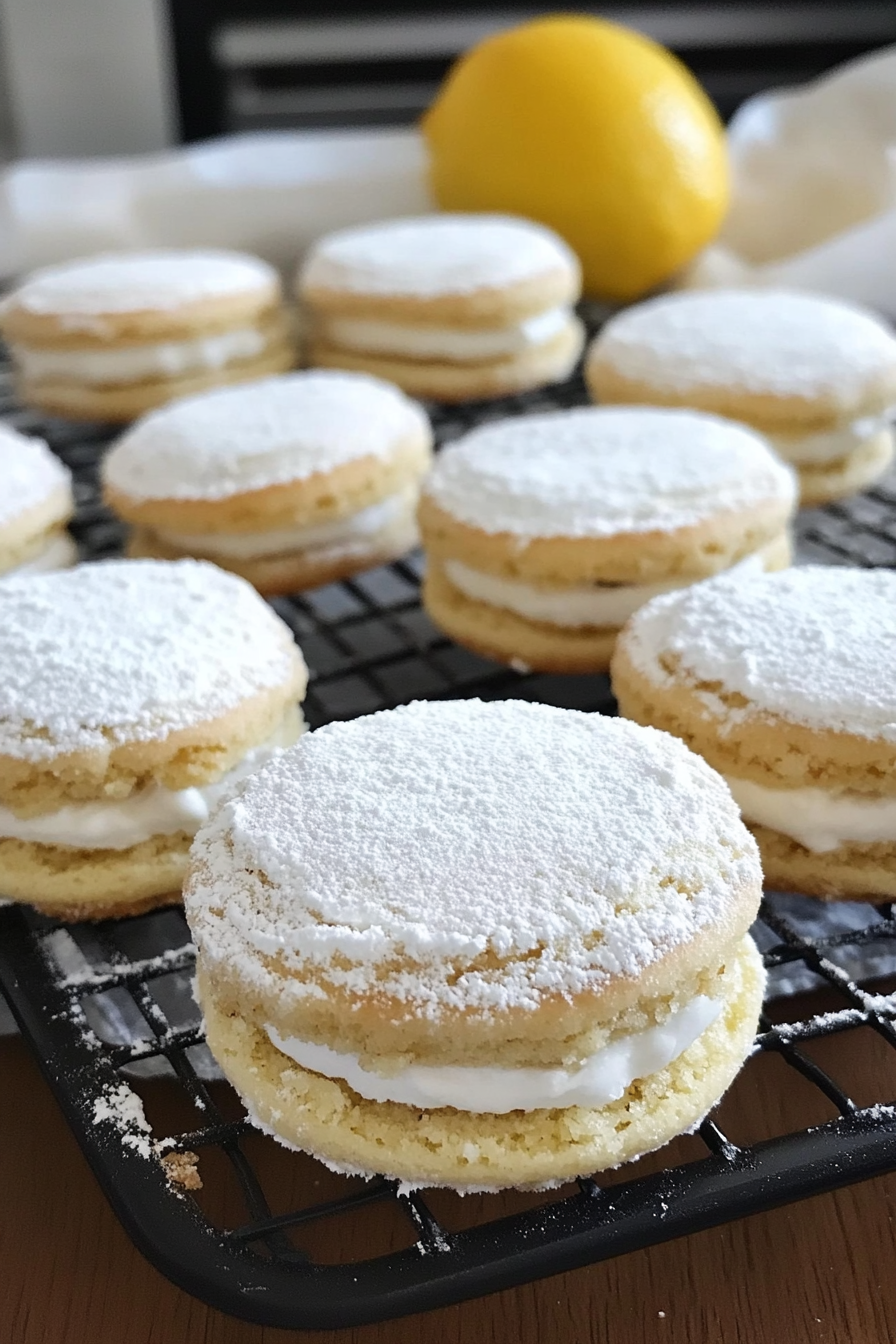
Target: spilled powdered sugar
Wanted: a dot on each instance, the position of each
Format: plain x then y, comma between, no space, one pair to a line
436,254
133,282
29,473
600,471
770,341
468,854
130,650
121,1108
816,644
265,433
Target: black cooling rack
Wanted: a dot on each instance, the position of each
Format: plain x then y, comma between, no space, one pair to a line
108,1006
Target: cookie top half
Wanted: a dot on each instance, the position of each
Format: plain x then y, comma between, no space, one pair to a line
239,440
813,646
604,480
138,296
131,653
33,482
784,361
472,859
476,269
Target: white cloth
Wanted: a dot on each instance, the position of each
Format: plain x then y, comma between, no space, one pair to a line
814,189
271,193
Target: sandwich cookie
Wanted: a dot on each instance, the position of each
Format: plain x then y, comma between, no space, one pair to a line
815,375
35,505
451,307
478,945
109,337
134,695
781,683
289,482
544,533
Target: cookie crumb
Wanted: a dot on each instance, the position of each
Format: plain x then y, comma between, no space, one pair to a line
180,1168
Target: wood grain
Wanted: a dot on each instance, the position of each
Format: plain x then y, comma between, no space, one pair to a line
821,1270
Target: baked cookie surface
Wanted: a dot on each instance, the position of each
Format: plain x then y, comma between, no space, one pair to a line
289,482
779,681
816,375
544,533
35,504
379,1001
111,336
134,695
452,307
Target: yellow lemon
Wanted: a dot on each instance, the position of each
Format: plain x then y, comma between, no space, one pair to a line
592,129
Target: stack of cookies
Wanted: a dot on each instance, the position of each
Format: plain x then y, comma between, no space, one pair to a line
464,944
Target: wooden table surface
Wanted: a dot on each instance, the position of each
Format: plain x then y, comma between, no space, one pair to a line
821,1270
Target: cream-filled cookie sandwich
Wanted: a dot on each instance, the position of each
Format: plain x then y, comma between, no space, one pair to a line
815,375
451,307
111,336
544,533
783,683
35,505
289,482
134,695
478,945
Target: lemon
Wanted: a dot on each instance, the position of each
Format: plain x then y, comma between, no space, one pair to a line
589,128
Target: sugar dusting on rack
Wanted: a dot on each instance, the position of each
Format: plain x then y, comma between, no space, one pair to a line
122,1108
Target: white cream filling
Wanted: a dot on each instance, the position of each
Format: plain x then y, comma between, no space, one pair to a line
128,363
342,532
462,343
152,811
831,446
60,552
581,605
602,1078
816,819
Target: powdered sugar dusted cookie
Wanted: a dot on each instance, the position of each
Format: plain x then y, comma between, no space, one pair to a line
109,337
290,481
782,682
816,375
35,504
447,306
134,694
379,998
544,533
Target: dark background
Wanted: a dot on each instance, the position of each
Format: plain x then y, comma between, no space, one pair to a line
245,64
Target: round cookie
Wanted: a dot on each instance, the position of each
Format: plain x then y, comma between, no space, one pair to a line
289,482
112,336
35,505
780,682
452,307
134,695
379,1001
816,375
544,533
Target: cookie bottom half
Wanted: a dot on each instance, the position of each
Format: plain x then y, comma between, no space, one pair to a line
552,362
295,571
852,872
468,1151
75,884
494,632
122,402
827,481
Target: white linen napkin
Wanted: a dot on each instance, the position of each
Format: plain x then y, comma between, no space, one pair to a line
814,189
271,193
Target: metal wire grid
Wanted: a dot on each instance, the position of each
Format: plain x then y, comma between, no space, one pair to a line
370,646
